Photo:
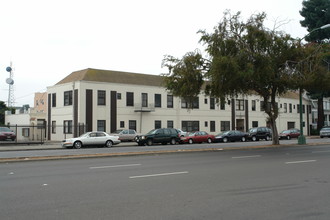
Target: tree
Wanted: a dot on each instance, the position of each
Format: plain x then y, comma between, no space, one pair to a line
243,57
316,13
3,108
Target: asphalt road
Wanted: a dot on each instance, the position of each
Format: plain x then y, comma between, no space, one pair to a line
273,183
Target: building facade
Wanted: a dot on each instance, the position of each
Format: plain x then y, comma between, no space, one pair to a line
105,100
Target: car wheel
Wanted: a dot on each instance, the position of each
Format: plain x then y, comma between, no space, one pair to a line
190,141
108,143
254,138
173,141
149,142
288,137
209,140
267,138
225,140
77,145
243,139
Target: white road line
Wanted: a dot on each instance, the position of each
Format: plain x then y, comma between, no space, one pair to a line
302,161
159,174
321,151
114,166
246,157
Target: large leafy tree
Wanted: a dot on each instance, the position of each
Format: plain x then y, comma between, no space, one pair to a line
316,13
242,57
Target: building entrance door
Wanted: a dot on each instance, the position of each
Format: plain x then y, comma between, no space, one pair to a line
240,124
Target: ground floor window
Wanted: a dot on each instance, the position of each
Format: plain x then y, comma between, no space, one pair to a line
291,124
212,126
255,124
100,125
158,124
132,124
169,124
67,128
190,126
225,125
53,127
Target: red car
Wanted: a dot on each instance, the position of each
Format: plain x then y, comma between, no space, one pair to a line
198,137
7,134
288,134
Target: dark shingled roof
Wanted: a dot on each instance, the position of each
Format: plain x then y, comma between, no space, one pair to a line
110,76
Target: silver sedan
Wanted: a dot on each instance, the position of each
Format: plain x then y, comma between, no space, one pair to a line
91,138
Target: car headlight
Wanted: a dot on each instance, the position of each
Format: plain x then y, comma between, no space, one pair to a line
143,137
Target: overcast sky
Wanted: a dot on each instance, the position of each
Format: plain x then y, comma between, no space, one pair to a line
47,40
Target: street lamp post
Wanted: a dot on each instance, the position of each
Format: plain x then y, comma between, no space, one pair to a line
301,138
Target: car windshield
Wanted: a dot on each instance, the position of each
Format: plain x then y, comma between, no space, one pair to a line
152,131
5,130
192,134
85,134
223,133
253,130
325,129
285,132
117,131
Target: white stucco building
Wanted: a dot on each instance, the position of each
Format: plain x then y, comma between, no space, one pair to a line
93,99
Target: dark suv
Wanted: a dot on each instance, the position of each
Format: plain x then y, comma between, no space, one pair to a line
255,134
161,135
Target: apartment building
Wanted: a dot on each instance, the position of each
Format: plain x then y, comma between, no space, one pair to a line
105,100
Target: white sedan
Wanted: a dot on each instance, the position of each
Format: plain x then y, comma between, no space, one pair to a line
91,138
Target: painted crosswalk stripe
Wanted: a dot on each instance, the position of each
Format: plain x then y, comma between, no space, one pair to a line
302,161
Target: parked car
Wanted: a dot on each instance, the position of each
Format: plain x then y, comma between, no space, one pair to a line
288,134
325,132
197,137
91,138
161,135
125,134
233,135
7,134
256,134
182,133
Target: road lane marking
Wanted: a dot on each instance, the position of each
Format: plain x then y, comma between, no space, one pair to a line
321,151
159,174
114,166
246,157
301,161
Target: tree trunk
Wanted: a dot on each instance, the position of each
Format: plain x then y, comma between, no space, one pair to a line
275,138
320,113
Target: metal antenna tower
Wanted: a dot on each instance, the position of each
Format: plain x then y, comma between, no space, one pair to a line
10,82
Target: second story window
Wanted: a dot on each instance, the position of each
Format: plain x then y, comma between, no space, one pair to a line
144,99
129,99
54,100
212,103
101,97
169,101
67,98
240,104
158,100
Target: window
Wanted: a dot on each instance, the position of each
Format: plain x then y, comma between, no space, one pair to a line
298,108
285,108
26,132
54,100
290,108
212,126
101,97
158,124
240,104
67,98
195,104
132,124
253,105
122,124
67,128
169,101
225,125
206,124
100,125
222,104
212,103
144,99
255,124
205,101
169,124
158,100
119,96
190,126
53,127
291,125
129,99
